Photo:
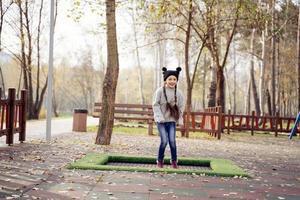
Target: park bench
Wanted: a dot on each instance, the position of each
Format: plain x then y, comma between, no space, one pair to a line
130,112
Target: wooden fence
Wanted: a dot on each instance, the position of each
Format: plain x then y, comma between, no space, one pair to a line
211,120
13,116
208,121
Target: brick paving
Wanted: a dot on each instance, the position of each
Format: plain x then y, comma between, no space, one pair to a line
36,170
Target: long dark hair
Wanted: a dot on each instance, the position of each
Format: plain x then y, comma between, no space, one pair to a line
174,111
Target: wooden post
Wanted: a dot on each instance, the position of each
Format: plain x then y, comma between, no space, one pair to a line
276,123
193,120
252,122
10,116
22,114
228,122
187,125
182,130
150,127
219,122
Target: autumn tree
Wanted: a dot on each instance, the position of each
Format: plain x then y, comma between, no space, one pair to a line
106,120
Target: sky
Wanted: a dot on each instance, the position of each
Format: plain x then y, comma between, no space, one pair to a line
72,37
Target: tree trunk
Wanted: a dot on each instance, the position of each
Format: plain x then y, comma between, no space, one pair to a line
2,82
273,68
284,103
212,88
156,69
253,84
269,101
204,81
27,24
54,101
278,78
106,120
234,80
140,74
37,92
248,98
262,72
220,94
187,71
228,89
298,60
161,59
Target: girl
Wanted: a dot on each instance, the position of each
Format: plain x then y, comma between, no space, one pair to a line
168,107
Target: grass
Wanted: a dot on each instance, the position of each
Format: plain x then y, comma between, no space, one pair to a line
127,129
220,167
123,128
142,129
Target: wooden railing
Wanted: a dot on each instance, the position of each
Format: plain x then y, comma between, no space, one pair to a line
13,116
253,123
208,121
212,120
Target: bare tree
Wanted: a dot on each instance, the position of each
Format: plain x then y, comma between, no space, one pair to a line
27,38
273,67
252,76
234,79
298,38
205,66
248,97
262,70
3,10
140,74
214,48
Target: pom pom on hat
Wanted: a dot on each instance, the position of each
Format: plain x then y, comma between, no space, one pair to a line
167,73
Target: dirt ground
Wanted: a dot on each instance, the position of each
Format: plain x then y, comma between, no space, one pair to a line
28,170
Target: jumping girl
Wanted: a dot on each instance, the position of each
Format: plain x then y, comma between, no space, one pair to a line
168,107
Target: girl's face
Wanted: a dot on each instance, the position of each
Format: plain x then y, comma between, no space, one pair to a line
171,81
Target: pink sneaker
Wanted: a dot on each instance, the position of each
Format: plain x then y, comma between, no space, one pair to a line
174,164
160,164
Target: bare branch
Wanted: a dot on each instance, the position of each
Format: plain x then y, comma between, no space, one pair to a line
196,65
163,39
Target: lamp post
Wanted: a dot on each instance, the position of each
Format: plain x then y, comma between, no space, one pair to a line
50,74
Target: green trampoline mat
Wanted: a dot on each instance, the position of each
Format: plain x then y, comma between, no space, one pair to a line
200,166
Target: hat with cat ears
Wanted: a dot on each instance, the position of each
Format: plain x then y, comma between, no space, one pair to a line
167,73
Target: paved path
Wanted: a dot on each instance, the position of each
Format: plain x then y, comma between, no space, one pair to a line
37,170
36,129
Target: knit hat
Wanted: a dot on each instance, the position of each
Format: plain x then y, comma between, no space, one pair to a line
168,73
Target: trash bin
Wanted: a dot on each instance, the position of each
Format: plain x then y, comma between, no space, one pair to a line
79,120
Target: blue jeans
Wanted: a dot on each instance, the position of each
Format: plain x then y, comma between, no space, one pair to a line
167,132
